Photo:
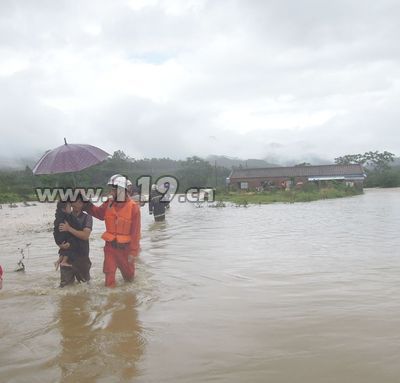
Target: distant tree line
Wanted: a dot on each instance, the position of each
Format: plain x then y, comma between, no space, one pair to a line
378,167
192,172
375,160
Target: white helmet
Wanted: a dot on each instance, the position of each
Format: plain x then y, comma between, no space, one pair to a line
119,180
154,187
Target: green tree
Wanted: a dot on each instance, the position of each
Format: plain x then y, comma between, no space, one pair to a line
194,172
120,156
377,167
376,160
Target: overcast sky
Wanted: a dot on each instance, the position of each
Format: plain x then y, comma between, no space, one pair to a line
243,78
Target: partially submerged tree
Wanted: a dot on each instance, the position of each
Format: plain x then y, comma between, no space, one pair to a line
377,167
375,160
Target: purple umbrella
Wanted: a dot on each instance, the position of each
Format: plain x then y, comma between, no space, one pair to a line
69,158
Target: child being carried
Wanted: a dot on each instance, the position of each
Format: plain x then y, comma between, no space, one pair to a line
63,214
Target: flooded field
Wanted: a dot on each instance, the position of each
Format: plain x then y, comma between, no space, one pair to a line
305,292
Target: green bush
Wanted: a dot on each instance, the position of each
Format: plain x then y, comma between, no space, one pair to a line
9,197
289,196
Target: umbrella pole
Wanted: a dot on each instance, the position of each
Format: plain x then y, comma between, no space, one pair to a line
74,180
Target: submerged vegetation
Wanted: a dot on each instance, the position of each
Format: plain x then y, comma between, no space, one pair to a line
287,196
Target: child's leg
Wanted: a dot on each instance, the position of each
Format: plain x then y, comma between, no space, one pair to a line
57,263
64,261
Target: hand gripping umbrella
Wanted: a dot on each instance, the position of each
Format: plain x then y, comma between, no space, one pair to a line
69,158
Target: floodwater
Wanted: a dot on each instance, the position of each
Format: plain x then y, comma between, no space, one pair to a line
305,292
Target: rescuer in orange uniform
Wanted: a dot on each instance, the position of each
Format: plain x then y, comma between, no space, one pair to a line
122,236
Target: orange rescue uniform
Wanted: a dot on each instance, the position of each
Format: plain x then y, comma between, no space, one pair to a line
122,237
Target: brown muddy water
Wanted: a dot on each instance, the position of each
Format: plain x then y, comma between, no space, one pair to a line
305,292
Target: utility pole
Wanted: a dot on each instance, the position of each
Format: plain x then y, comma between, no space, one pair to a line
215,172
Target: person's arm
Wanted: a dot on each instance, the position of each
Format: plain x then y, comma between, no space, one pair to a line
98,212
80,234
64,245
151,204
135,231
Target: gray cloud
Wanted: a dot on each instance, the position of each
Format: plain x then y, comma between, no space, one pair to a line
177,78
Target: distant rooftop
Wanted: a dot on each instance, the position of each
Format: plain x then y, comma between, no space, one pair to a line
299,171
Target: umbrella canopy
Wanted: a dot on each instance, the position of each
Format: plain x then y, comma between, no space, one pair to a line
69,158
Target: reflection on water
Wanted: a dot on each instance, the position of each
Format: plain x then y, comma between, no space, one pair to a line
158,235
100,338
303,292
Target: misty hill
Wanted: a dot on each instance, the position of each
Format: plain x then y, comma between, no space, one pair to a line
309,159
16,163
165,164
229,162
396,162
169,165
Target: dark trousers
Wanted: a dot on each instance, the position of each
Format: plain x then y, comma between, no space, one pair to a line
80,270
159,218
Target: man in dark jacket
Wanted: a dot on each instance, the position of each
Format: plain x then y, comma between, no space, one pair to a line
80,266
156,204
63,214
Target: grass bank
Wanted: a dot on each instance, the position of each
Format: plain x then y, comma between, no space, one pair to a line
14,197
289,196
